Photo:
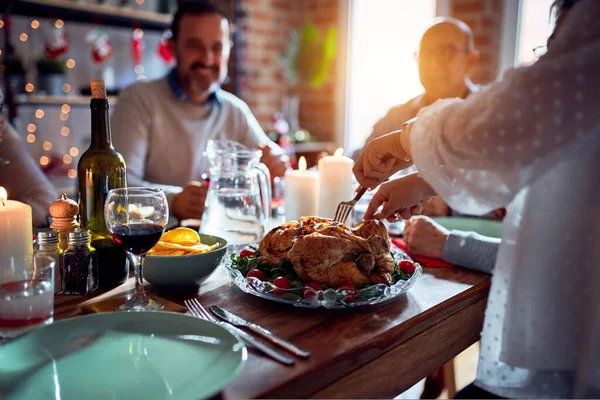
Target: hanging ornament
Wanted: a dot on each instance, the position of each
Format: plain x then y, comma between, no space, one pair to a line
163,48
57,43
137,46
101,47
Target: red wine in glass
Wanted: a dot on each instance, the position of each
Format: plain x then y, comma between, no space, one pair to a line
137,238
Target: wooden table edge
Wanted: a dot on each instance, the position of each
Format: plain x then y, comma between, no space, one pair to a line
315,381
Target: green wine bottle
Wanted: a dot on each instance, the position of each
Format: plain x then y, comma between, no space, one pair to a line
100,169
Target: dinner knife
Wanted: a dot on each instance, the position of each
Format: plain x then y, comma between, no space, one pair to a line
238,321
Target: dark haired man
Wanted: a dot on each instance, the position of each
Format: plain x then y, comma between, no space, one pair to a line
162,127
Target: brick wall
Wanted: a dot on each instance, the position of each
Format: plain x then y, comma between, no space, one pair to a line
265,33
485,19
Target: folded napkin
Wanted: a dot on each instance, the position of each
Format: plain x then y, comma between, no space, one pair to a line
424,261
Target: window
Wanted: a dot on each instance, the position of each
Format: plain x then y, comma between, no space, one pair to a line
382,71
534,28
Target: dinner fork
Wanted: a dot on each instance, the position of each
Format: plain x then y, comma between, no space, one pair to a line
198,311
343,210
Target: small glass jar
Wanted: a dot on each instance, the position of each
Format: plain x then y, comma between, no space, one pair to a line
79,271
48,245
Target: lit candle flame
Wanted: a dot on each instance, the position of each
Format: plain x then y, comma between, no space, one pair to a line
302,164
3,195
339,152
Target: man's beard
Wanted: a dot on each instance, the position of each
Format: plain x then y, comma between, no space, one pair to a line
198,86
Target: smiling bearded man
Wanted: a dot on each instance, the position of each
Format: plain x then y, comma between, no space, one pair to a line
162,127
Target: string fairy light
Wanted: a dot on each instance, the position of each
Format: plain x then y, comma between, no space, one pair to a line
47,146
72,173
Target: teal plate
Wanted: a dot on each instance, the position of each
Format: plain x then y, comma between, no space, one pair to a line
484,227
154,355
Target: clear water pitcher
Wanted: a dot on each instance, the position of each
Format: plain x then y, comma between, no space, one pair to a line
238,202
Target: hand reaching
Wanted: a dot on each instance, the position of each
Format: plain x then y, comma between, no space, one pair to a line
402,197
380,159
425,237
189,204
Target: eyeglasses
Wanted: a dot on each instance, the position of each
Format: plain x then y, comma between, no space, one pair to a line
540,51
442,53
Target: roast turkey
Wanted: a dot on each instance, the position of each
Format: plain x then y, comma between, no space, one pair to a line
331,253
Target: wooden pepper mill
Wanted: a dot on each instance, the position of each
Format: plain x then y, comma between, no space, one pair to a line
64,213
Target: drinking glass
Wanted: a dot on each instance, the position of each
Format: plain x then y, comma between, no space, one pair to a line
26,293
136,218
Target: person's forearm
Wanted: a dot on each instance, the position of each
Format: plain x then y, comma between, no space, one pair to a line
471,250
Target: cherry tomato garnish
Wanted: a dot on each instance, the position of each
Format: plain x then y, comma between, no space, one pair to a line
256,273
349,287
281,282
246,253
406,267
309,294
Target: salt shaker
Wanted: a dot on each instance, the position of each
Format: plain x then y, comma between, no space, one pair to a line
64,213
79,272
48,246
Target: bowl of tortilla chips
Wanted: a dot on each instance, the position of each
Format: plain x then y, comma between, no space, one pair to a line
183,259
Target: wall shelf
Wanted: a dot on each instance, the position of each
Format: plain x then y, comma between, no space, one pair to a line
70,10
58,100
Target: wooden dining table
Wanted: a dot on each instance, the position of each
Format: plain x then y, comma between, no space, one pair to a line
369,352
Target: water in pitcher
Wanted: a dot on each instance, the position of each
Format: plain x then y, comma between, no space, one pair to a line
235,215
239,196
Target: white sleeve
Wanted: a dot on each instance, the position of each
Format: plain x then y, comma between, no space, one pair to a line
479,152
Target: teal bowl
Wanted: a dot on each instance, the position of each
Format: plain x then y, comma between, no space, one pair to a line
184,272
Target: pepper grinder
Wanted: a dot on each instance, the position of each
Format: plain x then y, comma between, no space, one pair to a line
64,213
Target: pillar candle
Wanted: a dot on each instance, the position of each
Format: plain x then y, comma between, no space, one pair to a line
301,192
335,182
15,227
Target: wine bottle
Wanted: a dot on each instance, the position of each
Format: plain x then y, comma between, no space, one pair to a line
100,169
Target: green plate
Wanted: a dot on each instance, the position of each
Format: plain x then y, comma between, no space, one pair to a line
121,356
482,226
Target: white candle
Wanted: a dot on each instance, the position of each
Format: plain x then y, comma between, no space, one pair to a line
15,227
301,192
335,182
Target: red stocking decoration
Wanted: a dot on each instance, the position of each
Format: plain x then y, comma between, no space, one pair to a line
137,46
163,49
101,48
57,44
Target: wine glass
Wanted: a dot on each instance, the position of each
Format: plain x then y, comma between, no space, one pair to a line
136,218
